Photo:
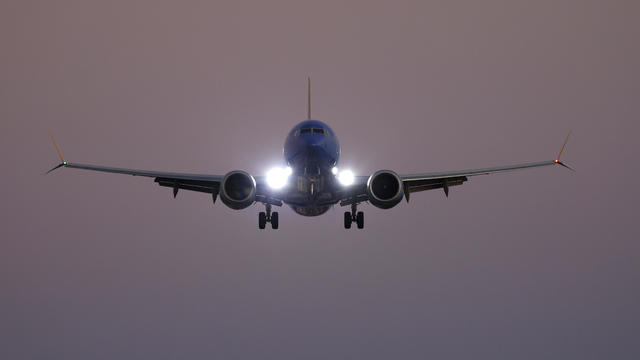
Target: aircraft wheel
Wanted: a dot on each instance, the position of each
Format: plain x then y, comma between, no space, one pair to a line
360,220
347,220
274,220
262,220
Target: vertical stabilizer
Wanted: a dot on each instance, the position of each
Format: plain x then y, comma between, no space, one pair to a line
309,98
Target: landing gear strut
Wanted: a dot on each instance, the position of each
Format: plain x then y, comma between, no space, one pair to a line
268,217
354,216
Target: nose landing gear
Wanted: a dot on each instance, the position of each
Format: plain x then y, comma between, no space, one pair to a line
354,216
267,216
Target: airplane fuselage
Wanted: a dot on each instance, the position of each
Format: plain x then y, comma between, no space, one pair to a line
311,150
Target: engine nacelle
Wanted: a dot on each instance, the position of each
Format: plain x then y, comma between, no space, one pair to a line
238,189
385,189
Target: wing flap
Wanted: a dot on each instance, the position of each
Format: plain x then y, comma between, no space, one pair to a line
412,186
192,185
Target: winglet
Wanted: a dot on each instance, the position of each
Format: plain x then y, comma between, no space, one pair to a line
557,160
309,97
62,161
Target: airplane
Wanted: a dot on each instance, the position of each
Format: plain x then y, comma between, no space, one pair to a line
311,183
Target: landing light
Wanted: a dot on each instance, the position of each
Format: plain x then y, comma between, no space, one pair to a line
277,177
346,178
334,170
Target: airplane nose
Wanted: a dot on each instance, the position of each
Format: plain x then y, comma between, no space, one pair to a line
315,141
321,153
316,149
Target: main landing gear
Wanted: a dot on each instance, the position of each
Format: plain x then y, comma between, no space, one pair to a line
268,216
354,216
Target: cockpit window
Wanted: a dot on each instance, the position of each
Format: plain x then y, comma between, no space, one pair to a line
312,130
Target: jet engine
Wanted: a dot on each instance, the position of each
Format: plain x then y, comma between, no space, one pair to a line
385,189
238,189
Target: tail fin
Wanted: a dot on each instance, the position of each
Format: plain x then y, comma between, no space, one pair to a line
309,98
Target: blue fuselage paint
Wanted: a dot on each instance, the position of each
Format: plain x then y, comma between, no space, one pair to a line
311,150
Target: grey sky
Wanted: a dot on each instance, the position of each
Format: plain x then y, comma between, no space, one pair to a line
535,264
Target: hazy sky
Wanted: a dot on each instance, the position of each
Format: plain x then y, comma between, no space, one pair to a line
539,264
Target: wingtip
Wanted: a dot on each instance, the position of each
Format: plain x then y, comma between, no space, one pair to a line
64,163
57,148
564,165
564,144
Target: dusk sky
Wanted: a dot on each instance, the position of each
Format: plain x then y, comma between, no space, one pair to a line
537,264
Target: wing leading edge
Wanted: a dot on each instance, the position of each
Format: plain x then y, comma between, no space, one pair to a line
194,182
445,179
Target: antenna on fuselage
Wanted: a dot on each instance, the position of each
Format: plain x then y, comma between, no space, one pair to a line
309,97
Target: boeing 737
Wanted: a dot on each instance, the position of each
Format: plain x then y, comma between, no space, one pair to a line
311,182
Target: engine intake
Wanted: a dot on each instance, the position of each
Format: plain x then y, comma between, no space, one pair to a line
238,189
385,189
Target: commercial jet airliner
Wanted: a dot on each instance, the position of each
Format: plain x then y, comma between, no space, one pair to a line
311,183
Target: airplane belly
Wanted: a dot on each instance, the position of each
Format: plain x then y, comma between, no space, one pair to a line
310,196
310,211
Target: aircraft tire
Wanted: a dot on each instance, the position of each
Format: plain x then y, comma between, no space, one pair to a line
360,220
347,220
274,220
262,220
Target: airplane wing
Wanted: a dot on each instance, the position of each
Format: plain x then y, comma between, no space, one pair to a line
442,180
205,183
194,182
